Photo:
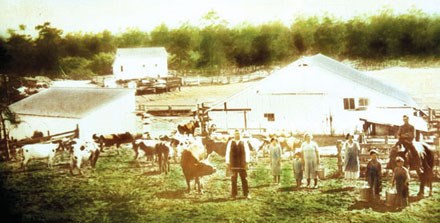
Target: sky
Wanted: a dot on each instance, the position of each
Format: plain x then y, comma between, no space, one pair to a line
116,16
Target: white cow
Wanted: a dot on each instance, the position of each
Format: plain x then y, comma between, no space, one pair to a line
40,151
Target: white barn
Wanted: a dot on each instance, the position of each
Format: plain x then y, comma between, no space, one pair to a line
57,110
313,94
137,63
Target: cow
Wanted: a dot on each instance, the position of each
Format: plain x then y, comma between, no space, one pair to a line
216,146
194,169
163,150
40,151
174,145
115,139
427,160
189,128
83,151
289,144
144,148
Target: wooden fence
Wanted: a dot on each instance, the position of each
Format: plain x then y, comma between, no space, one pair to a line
69,134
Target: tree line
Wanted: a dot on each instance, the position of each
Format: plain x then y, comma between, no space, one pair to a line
214,45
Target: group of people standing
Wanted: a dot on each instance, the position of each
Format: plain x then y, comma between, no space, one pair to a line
306,163
238,156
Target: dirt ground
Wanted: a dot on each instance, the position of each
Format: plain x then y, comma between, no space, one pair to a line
193,95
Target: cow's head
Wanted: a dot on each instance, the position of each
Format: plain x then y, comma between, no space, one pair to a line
204,169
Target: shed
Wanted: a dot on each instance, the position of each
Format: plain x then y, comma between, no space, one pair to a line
313,94
138,63
94,110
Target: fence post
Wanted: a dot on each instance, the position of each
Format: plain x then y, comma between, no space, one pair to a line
339,155
77,131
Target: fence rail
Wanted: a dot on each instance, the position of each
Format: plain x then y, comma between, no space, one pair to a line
69,134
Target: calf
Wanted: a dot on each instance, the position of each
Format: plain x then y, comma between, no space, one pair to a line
40,151
163,150
81,152
144,148
194,169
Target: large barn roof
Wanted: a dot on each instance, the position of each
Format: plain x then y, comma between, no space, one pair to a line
136,53
300,77
354,75
67,102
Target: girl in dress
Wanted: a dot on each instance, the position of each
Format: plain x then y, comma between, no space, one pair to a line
351,160
275,157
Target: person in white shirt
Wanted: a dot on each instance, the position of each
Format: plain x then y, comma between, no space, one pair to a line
237,158
310,155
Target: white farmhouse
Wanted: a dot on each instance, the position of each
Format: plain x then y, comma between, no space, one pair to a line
313,94
137,63
57,110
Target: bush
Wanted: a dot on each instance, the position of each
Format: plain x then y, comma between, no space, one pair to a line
76,68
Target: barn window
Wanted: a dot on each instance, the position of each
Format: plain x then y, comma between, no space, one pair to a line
122,68
270,117
363,102
349,103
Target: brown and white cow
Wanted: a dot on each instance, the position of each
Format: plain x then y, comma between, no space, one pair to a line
194,169
153,148
115,139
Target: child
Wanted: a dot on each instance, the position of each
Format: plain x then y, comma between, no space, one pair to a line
298,169
401,180
373,172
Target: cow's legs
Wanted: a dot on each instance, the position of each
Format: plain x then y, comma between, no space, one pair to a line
24,163
422,179
50,162
197,182
188,189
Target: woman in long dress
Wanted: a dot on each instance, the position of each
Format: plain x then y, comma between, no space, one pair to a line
310,157
351,159
275,156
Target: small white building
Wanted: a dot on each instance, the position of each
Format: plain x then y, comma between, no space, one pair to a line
138,63
58,110
313,94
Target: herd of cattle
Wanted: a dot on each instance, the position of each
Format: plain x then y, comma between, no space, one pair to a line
192,152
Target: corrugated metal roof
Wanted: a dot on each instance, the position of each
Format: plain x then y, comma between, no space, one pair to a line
360,78
393,117
67,102
147,52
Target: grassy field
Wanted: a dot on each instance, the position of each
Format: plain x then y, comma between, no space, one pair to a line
120,191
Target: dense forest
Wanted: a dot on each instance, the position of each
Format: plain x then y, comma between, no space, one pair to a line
215,45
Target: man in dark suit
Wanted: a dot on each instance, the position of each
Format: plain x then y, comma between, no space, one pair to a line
405,135
237,157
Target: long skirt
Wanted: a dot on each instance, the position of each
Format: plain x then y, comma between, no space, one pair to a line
310,169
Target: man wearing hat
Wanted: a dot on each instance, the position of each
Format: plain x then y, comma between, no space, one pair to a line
401,180
405,135
373,173
237,157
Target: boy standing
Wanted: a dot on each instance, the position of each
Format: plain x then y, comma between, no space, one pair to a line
401,180
298,169
373,173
